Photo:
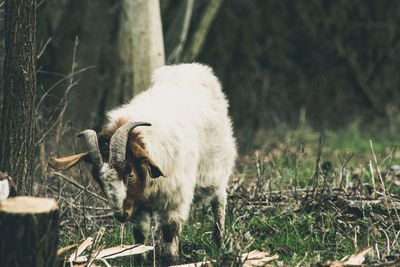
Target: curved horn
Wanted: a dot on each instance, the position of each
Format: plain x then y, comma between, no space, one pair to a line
120,139
92,145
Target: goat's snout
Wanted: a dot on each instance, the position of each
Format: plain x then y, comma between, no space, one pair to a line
122,217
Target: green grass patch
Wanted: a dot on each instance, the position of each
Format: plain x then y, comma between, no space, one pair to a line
315,229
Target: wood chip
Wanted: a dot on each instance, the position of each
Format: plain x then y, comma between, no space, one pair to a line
80,249
115,252
257,258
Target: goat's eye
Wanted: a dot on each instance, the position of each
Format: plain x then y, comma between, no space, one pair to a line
130,177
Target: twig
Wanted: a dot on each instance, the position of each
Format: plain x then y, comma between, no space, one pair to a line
64,77
381,180
122,232
314,178
395,238
387,242
72,181
96,247
344,161
377,167
154,246
302,260
258,188
60,116
377,252
388,195
44,48
372,176
94,208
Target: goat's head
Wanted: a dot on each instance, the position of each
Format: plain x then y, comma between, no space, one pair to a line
120,166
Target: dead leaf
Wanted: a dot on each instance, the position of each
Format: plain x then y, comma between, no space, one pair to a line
358,258
354,260
65,249
257,258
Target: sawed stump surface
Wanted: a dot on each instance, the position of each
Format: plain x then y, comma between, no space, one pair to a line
28,232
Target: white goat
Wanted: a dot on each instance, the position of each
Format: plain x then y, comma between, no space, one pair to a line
190,143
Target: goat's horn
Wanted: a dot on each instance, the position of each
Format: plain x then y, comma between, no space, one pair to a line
120,139
92,145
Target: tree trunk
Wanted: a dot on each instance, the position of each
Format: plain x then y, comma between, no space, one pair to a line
202,30
148,43
121,79
178,31
29,232
18,117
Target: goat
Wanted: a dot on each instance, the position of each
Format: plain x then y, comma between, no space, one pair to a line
178,129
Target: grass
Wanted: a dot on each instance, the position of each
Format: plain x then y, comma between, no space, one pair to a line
299,230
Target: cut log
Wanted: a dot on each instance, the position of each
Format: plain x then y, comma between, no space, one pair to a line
29,232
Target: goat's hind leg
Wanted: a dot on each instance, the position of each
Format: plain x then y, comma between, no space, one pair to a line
218,204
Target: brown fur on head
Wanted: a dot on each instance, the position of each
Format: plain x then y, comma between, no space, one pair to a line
132,171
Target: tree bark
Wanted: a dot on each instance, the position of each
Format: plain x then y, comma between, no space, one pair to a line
29,232
18,117
122,73
148,42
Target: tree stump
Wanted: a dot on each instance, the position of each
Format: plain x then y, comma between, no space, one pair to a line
28,232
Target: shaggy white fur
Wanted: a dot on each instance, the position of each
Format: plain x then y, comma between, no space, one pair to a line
114,188
190,139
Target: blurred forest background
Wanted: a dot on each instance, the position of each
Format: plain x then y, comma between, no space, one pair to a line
284,64
331,62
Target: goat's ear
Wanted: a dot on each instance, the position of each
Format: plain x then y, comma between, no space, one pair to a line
152,168
68,162
139,153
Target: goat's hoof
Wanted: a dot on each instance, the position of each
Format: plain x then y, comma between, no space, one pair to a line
167,260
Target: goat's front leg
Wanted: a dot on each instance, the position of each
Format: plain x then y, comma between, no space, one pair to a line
170,250
141,229
141,226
